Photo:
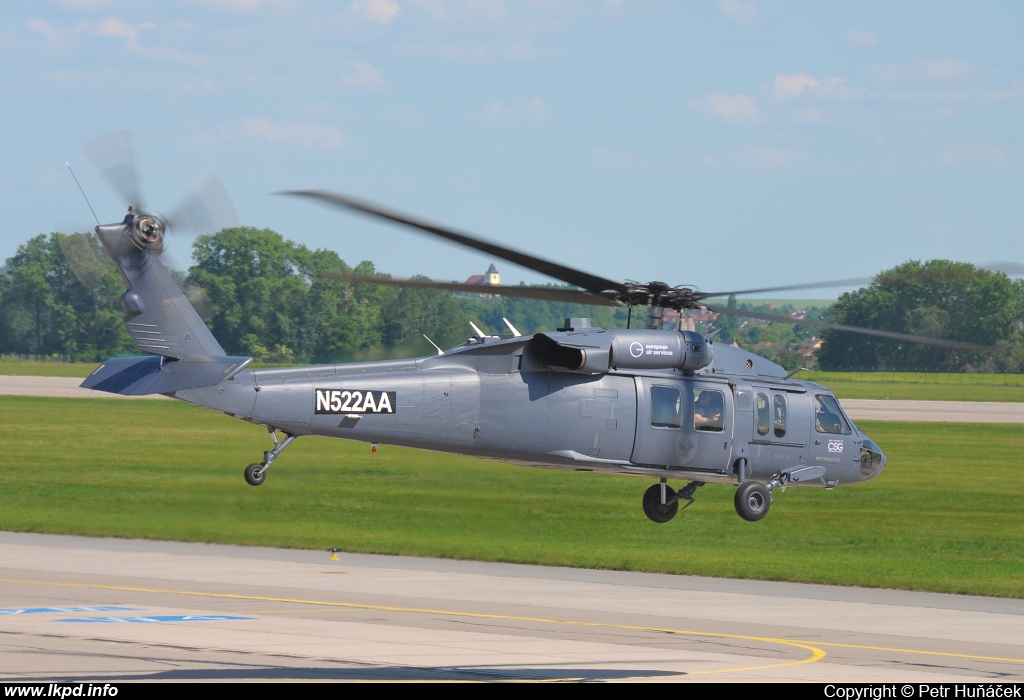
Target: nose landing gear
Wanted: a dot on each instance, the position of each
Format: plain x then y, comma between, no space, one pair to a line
752,500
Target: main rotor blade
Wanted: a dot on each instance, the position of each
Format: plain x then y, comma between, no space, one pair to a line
569,296
855,282
955,344
1010,269
206,209
113,157
591,283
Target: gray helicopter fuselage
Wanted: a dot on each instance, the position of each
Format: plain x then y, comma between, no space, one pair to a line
494,398
661,403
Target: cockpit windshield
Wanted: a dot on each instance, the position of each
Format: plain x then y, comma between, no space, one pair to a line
828,417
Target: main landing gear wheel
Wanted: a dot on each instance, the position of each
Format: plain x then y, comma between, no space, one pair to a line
254,474
752,501
656,510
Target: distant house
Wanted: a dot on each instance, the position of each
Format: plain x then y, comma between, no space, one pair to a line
490,278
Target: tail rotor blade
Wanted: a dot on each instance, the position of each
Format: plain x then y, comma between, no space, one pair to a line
206,209
113,157
88,263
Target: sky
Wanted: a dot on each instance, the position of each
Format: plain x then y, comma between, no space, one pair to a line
725,144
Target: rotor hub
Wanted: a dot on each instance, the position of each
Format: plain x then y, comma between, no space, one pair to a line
147,232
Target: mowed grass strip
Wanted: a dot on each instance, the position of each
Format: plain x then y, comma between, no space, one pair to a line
921,386
33,368
944,516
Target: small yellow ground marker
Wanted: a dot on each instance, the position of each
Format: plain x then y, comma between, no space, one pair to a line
334,555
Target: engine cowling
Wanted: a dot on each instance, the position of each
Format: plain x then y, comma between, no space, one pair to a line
594,350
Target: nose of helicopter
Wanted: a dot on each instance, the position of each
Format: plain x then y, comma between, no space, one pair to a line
872,460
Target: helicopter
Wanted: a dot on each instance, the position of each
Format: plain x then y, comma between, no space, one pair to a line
663,404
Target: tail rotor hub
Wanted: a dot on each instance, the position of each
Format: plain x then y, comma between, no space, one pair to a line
147,232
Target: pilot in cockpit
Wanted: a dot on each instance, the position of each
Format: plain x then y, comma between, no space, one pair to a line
707,411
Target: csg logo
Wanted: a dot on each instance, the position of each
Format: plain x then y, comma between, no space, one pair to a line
835,445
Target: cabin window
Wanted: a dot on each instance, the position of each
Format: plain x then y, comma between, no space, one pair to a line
708,406
828,418
666,402
763,414
779,412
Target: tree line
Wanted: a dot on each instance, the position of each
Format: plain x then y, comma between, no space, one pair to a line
278,301
261,295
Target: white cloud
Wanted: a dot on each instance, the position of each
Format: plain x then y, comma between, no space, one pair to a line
56,37
860,38
731,108
946,68
111,26
84,4
738,11
364,76
533,112
974,154
790,86
250,5
118,29
307,136
462,10
380,11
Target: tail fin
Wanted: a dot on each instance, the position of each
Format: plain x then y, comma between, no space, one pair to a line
160,320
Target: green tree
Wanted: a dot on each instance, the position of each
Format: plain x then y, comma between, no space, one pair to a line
45,310
411,312
937,299
255,283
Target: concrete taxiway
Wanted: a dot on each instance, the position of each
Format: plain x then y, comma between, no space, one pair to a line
858,409
106,610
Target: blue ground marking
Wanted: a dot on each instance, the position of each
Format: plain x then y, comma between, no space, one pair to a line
74,609
157,618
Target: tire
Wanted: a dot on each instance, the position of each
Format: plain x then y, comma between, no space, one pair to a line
752,501
255,474
653,507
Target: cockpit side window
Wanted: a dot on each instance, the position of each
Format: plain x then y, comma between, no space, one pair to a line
763,414
828,418
666,404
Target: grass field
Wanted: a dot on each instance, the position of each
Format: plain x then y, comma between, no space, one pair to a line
944,516
31,368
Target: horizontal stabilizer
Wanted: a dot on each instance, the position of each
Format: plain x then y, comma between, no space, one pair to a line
138,376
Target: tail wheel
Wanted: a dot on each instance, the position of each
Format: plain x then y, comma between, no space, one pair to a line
255,474
752,501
